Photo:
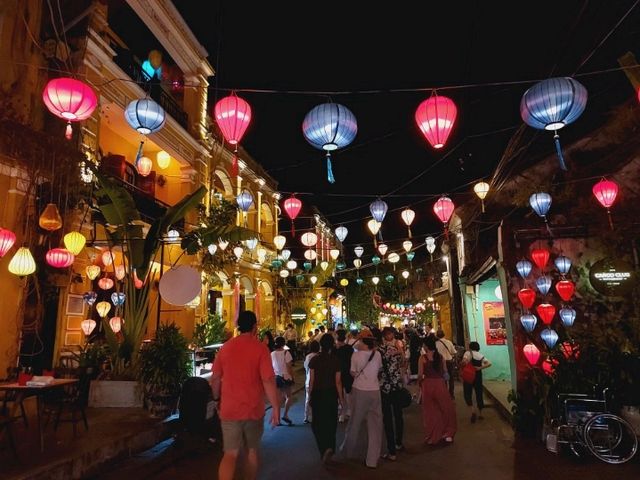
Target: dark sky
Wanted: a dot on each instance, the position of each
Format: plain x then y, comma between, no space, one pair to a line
357,45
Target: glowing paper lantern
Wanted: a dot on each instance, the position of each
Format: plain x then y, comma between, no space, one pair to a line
411,256
382,248
498,292
92,272
251,243
292,264
389,278
357,262
292,207
524,268
394,257
405,274
374,226
568,316
443,209
105,283
144,166
118,298
87,326
341,266
7,240
279,242
407,245
481,189
549,337
375,280
116,324
546,312
540,203
540,257
276,264
233,115
145,116
543,284
334,253
436,117
244,200
60,258
358,251
376,260
310,254
262,254
285,254
69,99
284,273
606,192
212,248
324,265
163,159
527,297
344,282
22,263
307,266
408,216
570,350
238,251
313,279
107,258
566,289
548,366
328,127
309,239
359,281
103,308
378,210
341,233
223,244
74,241
563,264
531,353
528,322
90,297
50,218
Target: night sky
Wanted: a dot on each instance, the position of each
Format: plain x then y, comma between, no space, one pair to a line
355,46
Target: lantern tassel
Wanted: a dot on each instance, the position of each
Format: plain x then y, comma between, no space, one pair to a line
409,228
293,229
610,219
68,131
556,138
482,203
139,154
330,176
234,166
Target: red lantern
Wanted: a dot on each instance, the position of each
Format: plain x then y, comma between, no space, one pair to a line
69,99
531,353
435,118
606,192
540,257
233,115
136,281
569,350
292,206
527,297
7,239
549,366
443,209
60,258
546,312
566,289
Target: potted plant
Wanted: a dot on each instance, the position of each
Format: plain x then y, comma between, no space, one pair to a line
165,363
210,331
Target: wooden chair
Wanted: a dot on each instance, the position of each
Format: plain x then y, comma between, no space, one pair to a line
5,426
68,405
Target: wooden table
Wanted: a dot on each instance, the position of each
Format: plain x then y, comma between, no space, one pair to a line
24,391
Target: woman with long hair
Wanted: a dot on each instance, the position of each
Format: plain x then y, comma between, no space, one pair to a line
281,361
438,409
267,339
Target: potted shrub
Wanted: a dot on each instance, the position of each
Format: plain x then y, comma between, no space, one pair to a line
165,363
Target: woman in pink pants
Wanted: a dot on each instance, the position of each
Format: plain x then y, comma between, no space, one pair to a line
438,409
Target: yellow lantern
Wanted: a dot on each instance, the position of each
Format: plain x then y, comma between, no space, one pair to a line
50,219
374,226
92,272
103,308
325,311
163,159
74,241
22,263
116,324
481,189
87,326
313,310
155,59
318,296
344,282
324,265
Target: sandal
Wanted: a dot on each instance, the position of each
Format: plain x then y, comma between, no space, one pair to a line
287,420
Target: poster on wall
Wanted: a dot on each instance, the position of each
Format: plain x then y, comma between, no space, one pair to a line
494,324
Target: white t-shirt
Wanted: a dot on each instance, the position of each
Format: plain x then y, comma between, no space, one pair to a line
307,359
366,374
476,356
445,348
279,360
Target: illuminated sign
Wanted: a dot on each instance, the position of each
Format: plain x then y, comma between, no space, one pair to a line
612,277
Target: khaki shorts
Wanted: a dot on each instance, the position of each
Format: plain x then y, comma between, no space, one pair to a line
242,433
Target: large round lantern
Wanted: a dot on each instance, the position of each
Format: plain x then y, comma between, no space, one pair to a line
606,192
408,216
310,254
540,257
74,241
60,258
292,207
531,353
105,283
541,203
566,289
443,209
233,115
553,103
309,239
526,297
22,263
436,117
378,210
69,99
7,239
328,127
341,233
546,312
145,116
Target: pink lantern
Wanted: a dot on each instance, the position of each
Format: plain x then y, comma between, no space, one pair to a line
107,258
531,353
7,240
136,281
606,192
443,209
60,258
292,206
435,118
69,99
233,115
105,283
120,272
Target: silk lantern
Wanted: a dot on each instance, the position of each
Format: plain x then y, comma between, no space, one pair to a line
389,278
394,258
334,253
75,242
163,159
543,284
540,257
233,116
376,260
407,245
92,272
103,308
310,254
358,251
531,353
212,248
436,117
374,226
309,239
526,297
549,337
528,322
411,256
568,316
341,233
405,274
357,262
59,258
382,248
285,254
328,127
548,366
443,209
107,258
118,298
144,166
292,207
7,240
292,265
540,203
524,268
22,263
90,297
551,104
359,281
378,210
223,244
313,279
279,242
566,289
251,243
87,326
116,324
146,117
276,264
50,219
244,201
563,264
105,283
69,99
546,312
324,265
408,216
238,251
344,282
481,189
341,266
606,192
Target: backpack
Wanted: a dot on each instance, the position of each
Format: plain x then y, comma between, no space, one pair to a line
468,373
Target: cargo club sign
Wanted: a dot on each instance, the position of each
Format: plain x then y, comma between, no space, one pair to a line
612,277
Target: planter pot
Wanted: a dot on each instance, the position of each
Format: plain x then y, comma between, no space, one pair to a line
160,405
113,393
632,415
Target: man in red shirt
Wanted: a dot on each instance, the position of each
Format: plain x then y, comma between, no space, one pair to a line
242,374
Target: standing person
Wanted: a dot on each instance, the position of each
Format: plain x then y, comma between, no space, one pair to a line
326,394
479,361
447,349
414,354
291,337
242,374
314,349
344,352
438,409
366,407
321,332
352,337
281,361
267,339
391,383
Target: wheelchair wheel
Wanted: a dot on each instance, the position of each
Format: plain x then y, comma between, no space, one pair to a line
610,438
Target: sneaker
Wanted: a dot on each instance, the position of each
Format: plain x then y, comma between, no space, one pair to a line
388,456
473,418
306,420
399,447
287,420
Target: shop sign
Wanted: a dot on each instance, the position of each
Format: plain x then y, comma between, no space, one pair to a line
611,277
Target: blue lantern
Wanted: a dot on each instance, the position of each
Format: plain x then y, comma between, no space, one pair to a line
117,298
389,278
543,284
378,210
563,264
90,298
341,265
244,200
541,203
410,256
375,260
524,268
359,281
568,316
145,116
551,104
307,266
528,322
550,337
328,127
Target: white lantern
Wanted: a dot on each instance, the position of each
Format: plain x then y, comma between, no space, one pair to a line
324,311
107,258
341,233
375,280
310,254
173,235
238,251
334,253
87,326
405,274
251,243
407,245
498,292
324,265
358,251
382,248
357,263
374,226
213,248
279,241
163,159
481,189
223,244
407,216
285,254
292,264
284,273
313,279
394,257
309,239
318,296
262,254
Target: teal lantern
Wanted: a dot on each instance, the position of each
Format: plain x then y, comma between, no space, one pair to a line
307,266
411,256
389,278
376,260
359,281
341,266
276,264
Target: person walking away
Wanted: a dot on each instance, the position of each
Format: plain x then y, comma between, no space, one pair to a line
291,337
326,395
414,354
281,361
242,375
267,339
475,358
438,409
447,349
344,352
390,384
321,332
314,349
366,407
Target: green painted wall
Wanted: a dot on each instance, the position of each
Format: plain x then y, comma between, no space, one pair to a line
497,354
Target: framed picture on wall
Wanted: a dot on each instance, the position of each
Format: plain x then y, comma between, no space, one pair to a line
75,304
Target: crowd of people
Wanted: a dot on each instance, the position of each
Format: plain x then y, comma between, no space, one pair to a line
353,377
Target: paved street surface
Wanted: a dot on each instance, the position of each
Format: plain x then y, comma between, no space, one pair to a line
485,450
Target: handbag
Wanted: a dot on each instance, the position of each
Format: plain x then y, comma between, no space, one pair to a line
468,373
282,382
